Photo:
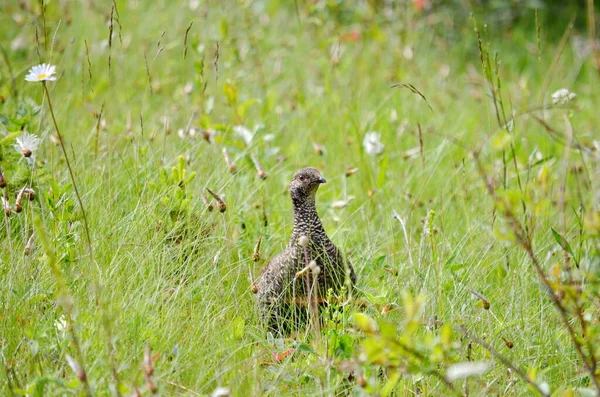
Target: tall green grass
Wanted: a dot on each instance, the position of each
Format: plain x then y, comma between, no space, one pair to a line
168,274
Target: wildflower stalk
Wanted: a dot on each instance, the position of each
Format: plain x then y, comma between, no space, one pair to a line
62,145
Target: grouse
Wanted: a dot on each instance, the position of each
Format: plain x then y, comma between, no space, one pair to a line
286,280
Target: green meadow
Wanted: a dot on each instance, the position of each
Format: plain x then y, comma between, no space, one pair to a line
462,157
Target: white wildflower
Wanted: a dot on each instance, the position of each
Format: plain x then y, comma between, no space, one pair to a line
27,144
41,72
471,368
372,143
221,392
243,133
269,137
61,325
563,96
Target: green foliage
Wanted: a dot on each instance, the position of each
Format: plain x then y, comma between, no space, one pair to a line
475,233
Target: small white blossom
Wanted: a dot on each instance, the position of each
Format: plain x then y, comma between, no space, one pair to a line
61,325
372,143
243,133
221,392
27,144
41,72
269,137
563,96
471,368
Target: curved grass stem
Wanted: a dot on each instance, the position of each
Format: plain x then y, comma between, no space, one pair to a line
72,176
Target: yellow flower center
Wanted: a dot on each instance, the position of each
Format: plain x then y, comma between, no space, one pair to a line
41,76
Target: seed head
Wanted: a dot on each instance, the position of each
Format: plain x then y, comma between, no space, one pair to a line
6,206
303,241
256,254
3,182
231,167
261,173
27,144
220,203
79,372
316,270
209,205
320,150
351,171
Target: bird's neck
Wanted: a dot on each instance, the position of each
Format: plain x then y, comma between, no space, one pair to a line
307,222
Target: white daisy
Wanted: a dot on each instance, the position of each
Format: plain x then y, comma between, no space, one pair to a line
41,72
563,96
27,144
372,143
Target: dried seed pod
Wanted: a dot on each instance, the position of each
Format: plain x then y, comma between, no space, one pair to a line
351,171
231,167
148,367
22,193
30,193
256,254
207,135
508,343
220,203
261,173
386,309
6,206
78,369
29,246
207,201
320,150
3,181
484,302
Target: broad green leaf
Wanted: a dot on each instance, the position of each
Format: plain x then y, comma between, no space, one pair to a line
389,386
562,242
365,323
238,325
245,105
230,92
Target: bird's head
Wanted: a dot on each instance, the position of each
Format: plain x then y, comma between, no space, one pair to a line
305,183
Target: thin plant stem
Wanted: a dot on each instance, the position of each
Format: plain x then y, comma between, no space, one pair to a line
525,242
65,300
507,363
62,145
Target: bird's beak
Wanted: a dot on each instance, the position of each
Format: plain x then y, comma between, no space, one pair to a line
321,180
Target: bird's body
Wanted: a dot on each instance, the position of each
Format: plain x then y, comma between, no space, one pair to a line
279,290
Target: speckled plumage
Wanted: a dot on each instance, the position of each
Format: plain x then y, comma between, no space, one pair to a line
277,288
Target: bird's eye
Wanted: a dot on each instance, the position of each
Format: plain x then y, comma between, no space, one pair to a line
301,179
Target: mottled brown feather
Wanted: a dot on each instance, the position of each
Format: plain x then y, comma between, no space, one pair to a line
277,285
